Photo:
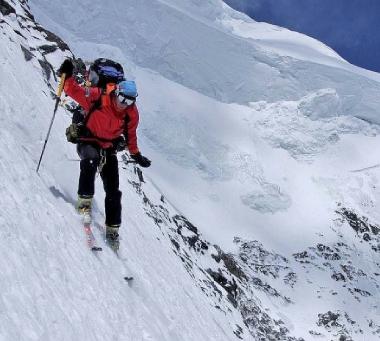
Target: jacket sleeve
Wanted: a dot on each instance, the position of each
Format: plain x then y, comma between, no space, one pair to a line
130,130
85,97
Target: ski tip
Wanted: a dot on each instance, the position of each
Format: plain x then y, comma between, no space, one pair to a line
128,278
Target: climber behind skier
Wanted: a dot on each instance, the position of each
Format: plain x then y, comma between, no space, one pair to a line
110,114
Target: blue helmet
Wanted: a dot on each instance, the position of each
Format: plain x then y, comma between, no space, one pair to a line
127,89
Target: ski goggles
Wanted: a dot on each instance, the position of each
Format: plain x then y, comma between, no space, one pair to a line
126,100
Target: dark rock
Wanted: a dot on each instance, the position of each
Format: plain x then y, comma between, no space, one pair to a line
340,324
46,68
327,252
195,243
19,33
46,49
238,332
359,224
301,256
338,277
328,319
362,292
182,222
175,243
291,279
374,326
230,263
375,229
27,54
53,38
262,326
6,8
366,237
323,248
28,14
345,338
230,286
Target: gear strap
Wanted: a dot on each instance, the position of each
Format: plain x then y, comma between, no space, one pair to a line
97,104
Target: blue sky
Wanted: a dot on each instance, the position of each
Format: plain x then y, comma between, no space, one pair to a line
350,27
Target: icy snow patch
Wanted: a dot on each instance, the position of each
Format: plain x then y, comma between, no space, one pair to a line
321,104
267,199
307,127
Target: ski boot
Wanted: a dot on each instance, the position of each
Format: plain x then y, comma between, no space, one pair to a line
84,205
112,236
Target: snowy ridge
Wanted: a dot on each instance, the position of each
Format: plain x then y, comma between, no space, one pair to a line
239,69
248,209
254,278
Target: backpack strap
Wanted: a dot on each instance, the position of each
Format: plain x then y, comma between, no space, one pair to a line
104,96
95,106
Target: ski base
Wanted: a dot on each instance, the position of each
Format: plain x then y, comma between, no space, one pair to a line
90,238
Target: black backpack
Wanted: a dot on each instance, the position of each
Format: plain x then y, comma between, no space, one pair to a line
102,71
106,71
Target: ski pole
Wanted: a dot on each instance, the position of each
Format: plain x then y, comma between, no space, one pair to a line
58,98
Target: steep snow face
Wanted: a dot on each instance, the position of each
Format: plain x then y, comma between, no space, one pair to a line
285,181
216,52
52,287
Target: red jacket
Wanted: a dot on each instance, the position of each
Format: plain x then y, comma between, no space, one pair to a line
107,122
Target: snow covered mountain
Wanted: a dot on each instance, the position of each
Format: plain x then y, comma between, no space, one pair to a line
259,218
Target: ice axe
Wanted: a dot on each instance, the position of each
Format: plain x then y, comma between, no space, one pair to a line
58,99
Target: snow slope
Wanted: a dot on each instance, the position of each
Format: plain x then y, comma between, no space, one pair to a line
265,143
52,287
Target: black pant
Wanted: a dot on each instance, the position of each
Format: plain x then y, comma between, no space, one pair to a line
90,156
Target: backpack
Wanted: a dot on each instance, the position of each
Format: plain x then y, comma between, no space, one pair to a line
105,74
104,71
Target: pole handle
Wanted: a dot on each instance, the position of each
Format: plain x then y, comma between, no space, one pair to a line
61,84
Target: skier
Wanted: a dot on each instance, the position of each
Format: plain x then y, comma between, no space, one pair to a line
109,114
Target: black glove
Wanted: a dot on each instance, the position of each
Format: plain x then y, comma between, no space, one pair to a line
141,160
67,68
